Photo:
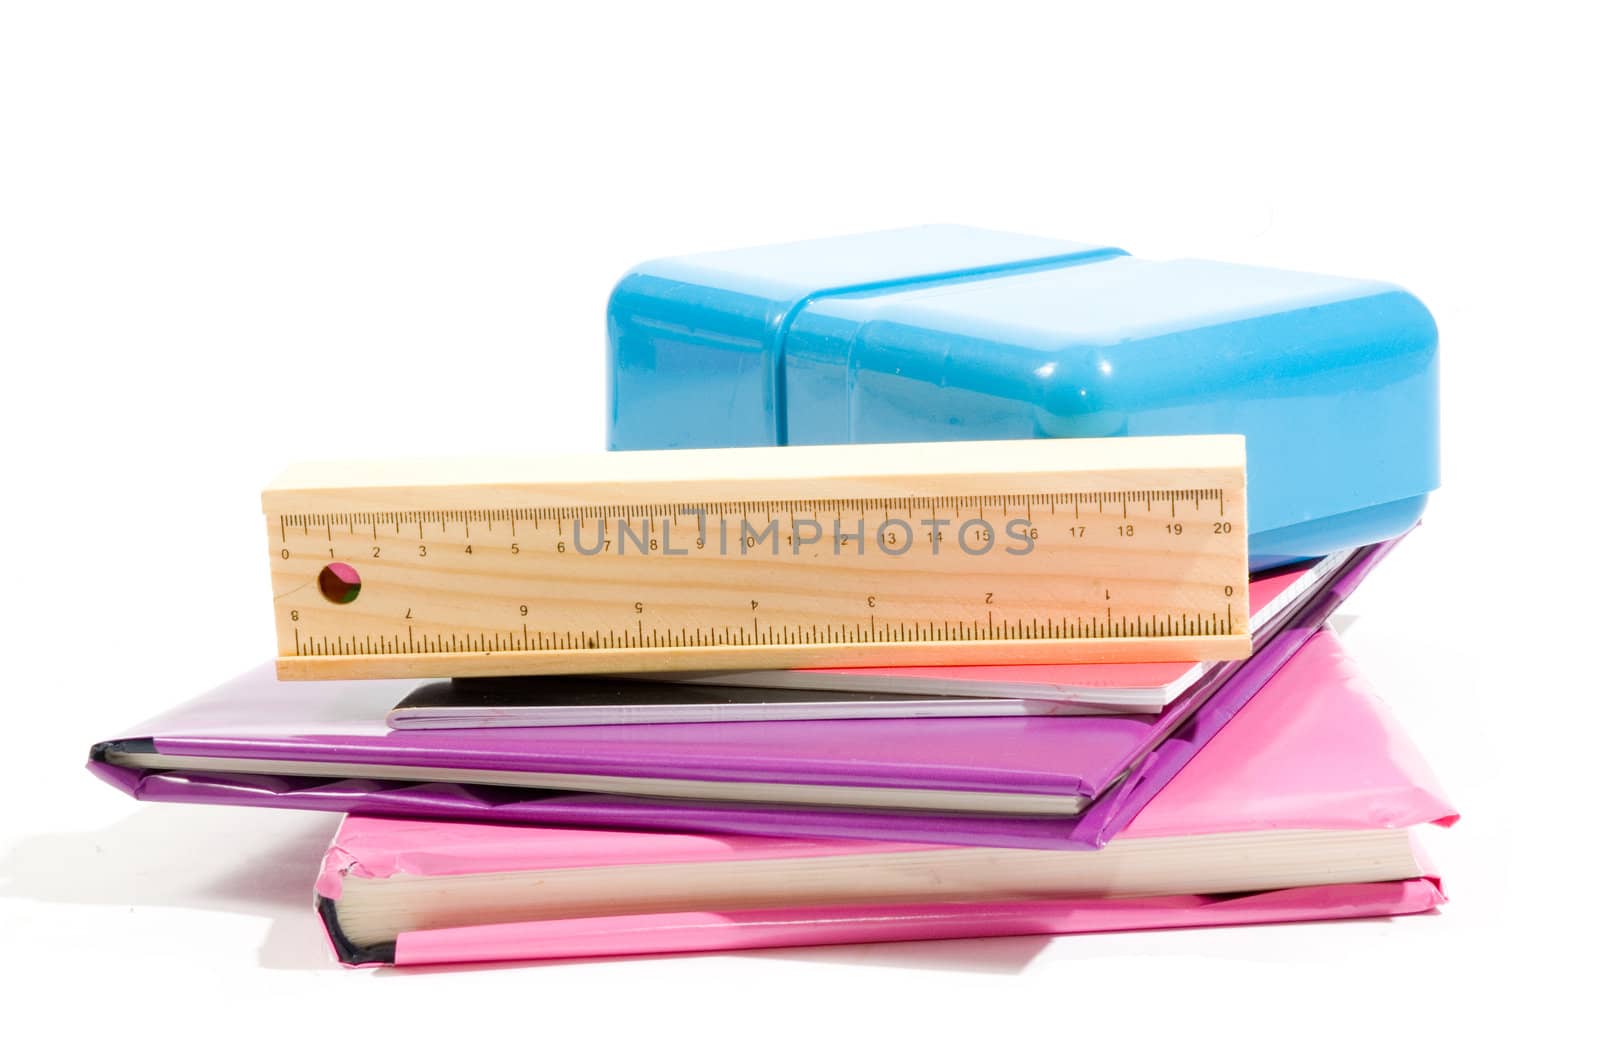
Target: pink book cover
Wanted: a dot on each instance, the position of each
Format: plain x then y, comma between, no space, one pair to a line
1328,756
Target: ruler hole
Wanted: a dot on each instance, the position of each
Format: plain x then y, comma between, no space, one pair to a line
340,583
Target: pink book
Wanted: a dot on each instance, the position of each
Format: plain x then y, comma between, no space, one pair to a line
1301,808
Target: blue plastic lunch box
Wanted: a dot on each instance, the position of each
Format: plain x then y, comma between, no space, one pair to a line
950,333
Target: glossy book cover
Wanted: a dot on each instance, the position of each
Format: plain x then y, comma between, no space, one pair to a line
347,760
1315,753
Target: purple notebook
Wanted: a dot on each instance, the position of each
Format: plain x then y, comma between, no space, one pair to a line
1043,781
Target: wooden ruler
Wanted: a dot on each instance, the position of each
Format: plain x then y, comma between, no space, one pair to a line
1022,551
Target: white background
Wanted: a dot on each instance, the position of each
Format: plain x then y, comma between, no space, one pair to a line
236,235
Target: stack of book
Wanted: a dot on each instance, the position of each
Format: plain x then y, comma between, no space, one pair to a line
537,817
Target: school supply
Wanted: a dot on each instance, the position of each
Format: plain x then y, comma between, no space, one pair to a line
951,333
1050,782
1138,687
899,554
1299,809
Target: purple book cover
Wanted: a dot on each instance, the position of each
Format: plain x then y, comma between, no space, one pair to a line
1114,764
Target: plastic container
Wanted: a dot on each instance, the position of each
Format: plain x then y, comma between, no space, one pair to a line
944,332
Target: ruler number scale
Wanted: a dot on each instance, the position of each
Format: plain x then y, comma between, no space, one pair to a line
1128,550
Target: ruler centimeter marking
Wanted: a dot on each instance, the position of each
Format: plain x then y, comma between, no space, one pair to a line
910,504
711,560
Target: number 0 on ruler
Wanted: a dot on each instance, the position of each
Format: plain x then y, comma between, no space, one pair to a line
1018,551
